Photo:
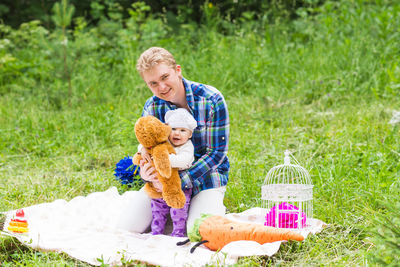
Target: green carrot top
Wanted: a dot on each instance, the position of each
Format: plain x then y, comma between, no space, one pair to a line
194,233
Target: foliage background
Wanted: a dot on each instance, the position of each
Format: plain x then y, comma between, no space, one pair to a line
321,78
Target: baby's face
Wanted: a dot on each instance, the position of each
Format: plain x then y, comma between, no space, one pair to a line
179,136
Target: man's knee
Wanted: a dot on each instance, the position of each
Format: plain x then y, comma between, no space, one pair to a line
135,215
210,201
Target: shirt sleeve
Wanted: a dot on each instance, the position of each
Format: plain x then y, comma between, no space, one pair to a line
148,109
139,147
217,135
184,157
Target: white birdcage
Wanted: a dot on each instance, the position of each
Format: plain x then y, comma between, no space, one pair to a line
287,195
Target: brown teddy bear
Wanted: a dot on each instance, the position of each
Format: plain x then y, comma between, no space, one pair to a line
153,135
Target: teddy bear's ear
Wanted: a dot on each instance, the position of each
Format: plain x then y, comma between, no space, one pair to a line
163,132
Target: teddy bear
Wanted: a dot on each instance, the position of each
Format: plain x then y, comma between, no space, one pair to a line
153,135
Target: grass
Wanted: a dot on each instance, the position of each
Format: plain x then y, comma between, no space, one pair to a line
323,86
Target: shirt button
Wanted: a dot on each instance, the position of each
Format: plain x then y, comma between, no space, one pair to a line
223,137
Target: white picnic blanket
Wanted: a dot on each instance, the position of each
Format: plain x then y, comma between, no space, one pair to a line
85,229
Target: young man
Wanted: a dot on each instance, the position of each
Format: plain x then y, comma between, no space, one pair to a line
208,175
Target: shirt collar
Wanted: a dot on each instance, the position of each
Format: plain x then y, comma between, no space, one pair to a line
189,94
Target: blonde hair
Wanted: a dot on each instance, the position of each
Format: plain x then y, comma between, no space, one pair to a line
153,56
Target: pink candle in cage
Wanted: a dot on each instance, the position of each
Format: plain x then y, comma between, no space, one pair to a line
288,216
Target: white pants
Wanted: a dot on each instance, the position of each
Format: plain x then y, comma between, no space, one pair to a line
136,214
210,201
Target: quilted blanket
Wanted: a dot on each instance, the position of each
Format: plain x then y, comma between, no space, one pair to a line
86,229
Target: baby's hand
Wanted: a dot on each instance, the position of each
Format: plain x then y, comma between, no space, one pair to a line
145,154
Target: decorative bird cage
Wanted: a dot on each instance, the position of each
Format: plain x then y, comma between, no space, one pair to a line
287,195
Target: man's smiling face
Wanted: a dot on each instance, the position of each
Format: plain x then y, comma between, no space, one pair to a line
165,82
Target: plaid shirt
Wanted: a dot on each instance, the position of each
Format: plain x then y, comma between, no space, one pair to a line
210,138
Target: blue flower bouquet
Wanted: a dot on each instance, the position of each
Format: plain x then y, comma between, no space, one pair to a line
126,172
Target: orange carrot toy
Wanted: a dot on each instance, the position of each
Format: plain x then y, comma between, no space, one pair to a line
217,231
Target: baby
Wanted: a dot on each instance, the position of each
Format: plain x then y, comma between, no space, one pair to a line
182,124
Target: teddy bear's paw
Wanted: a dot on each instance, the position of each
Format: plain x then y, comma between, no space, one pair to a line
176,201
136,159
151,191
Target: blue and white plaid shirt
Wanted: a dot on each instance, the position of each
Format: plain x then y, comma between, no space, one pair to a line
210,138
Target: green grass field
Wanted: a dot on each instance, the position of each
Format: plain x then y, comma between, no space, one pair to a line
323,86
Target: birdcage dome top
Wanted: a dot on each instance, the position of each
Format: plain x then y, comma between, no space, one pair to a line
288,173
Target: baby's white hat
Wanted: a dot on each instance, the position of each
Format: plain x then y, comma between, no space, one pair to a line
180,118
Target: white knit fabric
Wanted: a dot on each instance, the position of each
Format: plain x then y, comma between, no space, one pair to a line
180,118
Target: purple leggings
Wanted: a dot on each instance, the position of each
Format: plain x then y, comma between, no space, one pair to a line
160,210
